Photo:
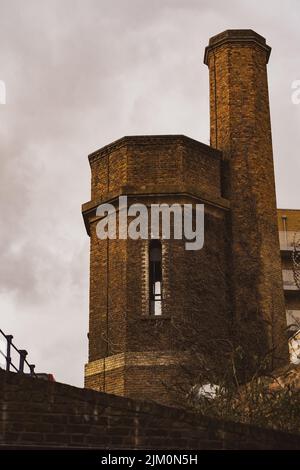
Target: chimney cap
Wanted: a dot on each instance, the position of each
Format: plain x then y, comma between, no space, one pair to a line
238,36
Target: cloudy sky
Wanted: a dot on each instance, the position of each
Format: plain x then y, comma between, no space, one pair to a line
80,74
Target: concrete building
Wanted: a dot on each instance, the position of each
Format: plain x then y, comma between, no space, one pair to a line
289,236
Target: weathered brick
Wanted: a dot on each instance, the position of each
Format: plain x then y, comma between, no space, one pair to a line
128,423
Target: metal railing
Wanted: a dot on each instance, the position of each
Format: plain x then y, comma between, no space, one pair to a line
22,362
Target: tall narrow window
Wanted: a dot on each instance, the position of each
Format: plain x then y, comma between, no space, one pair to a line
155,277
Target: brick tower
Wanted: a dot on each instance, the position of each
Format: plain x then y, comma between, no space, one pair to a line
153,304
240,127
134,341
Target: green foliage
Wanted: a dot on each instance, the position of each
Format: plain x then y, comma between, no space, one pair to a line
262,401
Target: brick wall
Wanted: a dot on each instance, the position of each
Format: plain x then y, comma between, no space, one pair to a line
40,414
292,220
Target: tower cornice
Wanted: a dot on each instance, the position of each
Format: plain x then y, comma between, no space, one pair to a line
238,37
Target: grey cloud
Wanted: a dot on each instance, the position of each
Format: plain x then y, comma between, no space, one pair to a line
80,74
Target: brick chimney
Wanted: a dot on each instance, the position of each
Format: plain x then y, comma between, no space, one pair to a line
240,127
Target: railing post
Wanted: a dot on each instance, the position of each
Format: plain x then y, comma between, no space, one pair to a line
23,355
32,366
9,339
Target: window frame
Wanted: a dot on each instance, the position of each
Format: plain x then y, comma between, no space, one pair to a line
155,275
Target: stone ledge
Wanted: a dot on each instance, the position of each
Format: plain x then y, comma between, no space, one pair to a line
131,359
89,208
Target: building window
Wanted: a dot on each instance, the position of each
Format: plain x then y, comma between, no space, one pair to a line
155,277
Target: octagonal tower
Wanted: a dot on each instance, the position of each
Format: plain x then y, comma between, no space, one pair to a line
133,349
